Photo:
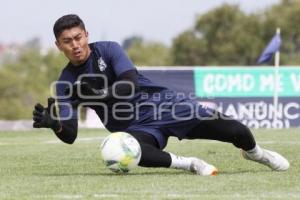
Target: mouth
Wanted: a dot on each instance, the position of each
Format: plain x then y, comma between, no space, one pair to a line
77,54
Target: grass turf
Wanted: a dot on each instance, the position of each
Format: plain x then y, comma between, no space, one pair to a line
35,165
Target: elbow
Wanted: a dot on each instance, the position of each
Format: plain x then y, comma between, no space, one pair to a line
68,133
69,140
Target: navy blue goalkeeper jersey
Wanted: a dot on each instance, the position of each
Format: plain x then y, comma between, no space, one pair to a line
153,109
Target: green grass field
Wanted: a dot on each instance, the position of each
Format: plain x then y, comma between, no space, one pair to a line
35,165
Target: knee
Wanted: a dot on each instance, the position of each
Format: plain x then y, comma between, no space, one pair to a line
243,138
243,131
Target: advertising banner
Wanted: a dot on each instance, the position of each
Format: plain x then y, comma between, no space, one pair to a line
246,82
245,93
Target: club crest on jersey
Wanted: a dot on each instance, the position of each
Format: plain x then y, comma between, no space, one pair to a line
101,64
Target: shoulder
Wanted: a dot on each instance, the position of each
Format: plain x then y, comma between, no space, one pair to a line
106,45
108,48
66,74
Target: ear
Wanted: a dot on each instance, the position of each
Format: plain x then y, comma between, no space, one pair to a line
58,45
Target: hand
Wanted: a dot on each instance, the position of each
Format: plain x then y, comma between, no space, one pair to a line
43,118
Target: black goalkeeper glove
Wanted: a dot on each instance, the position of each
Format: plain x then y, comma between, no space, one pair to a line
44,118
87,93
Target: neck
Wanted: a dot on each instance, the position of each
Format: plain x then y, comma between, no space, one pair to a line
84,60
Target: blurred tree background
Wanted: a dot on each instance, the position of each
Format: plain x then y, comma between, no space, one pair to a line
227,36
224,36
26,78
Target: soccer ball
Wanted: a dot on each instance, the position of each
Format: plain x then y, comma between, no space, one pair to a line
120,152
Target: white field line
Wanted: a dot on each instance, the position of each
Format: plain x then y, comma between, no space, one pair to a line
137,195
59,196
92,139
86,139
97,139
257,141
76,196
271,195
260,142
56,141
106,195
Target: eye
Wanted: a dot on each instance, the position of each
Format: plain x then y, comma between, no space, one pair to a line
77,38
66,41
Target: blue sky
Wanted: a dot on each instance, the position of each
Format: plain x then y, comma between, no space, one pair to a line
159,20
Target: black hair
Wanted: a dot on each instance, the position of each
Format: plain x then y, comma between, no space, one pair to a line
67,22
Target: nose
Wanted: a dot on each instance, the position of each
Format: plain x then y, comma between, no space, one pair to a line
75,45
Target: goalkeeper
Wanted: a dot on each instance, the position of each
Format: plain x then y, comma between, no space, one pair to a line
100,76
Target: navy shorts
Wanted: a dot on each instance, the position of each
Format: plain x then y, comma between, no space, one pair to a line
168,125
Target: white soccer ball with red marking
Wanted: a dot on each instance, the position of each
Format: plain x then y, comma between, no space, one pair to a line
120,152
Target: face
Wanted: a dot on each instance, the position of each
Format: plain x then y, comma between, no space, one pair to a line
73,43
